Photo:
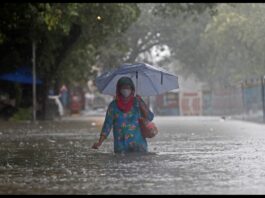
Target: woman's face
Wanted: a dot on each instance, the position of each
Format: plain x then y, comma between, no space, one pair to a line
125,91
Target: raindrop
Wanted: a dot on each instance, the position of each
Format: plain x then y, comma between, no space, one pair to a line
68,171
93,124
1,133
8,165
83,171
53,141
75,173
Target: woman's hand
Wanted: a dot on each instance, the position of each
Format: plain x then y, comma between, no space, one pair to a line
96,145
140,100
139,97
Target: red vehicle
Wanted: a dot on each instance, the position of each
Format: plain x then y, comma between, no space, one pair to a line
75,105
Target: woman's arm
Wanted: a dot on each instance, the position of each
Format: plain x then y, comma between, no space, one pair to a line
107,126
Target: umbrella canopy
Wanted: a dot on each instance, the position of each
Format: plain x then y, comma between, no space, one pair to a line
21,75
149,80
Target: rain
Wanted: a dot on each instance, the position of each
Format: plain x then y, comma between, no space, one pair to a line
52,107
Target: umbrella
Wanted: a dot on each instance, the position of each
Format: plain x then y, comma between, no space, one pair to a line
21,75
149,80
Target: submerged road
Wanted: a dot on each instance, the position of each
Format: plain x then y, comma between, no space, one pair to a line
190,155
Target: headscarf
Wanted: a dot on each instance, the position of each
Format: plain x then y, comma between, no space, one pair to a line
123,105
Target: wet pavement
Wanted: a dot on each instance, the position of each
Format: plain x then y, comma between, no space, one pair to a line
190,155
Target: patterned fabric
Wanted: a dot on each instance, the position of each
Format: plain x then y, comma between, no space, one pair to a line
126,129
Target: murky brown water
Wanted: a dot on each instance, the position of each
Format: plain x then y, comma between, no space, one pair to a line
189,156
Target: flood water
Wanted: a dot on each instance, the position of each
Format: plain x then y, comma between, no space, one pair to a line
188,156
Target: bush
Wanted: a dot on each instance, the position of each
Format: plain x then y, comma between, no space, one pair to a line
22,114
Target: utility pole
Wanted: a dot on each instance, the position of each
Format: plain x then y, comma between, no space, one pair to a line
243,97
34,80
263,96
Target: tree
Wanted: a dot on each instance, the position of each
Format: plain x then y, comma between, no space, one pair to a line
65,34
153,30
236,33
222,47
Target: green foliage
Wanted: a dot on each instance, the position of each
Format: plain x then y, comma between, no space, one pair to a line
160,25
22,114
219,43
188,9
234,41
69,37
63,31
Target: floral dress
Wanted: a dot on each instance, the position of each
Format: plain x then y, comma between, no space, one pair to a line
126,129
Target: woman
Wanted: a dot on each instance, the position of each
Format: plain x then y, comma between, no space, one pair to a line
123,114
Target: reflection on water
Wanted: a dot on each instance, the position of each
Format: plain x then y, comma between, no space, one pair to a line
56,158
